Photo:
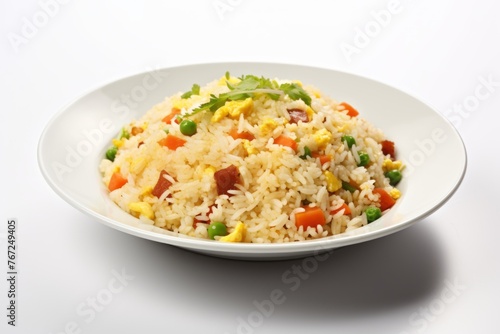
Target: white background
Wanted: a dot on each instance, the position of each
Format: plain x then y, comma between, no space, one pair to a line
439,276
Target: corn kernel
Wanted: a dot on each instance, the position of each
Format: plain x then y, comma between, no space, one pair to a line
117,142
238,235
388,164
210,170
332,182
395,193
310,113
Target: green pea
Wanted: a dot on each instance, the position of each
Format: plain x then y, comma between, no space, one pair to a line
394,176
111,153
188,127
372,213
216,228
349,140
364,158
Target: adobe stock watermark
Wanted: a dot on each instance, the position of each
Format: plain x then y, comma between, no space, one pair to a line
485,88
421,319
292,279
426,147
364,35
124,107
223,6
89,309
32,25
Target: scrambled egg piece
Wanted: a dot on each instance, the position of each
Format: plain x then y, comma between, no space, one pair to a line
232,80
117,142
182,103
142,208
388,165
146,190
332,182
249,147
234,109
322,137
238,235
268,125
138,164
395,193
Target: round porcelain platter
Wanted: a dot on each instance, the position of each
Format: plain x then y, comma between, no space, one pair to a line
74,141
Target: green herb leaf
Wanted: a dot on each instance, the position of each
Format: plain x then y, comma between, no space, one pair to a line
212,105
124,134
249,82
307,153
347,186
186,95
195,90
296,92
250,86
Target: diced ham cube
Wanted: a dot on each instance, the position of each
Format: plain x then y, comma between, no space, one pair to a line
297,115
226,178
388,148
161,185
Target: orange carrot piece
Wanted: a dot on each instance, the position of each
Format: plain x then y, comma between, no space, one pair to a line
312,217
174,112
172,142
117,181
241,135
350,109
345,207
386,201
323,159
286,141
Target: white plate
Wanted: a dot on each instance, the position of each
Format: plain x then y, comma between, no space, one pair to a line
75,140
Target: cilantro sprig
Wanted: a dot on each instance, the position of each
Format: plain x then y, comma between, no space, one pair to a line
296,92
252,86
